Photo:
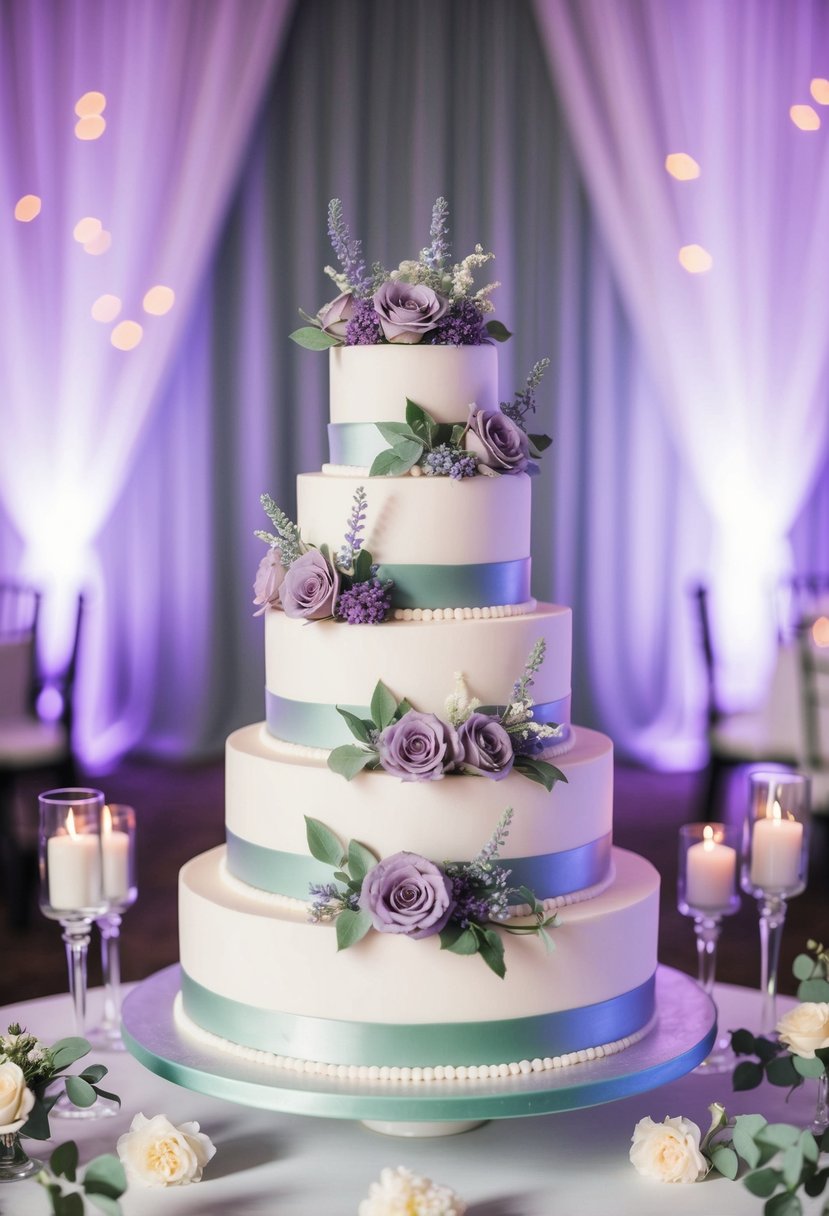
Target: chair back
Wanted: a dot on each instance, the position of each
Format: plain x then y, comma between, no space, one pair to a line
801,599
699,594
19,614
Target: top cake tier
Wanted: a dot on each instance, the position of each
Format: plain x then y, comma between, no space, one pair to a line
370,384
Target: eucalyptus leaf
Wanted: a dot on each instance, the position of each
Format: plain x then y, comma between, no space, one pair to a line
356,725
64,1160
67,1051
725,1161
779,1135
360,860
105,1176
391,463
498,331
792,1165
95,1073
747,1076
323,844
352,925
815,1184
393,432
746,1127
383,706
349,760
110,1207
763,1183
808,1147
79,1092
36,1126
784,1204
104,1093
782,1072
816,990
458,940
311,338
70,1204
804,967
808,1068
742,1042
766,1049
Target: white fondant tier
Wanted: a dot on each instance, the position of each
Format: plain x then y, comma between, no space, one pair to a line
271,786
256,973
372,383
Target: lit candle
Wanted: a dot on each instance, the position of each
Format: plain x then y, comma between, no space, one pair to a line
116,852
710,873
776,847
74,861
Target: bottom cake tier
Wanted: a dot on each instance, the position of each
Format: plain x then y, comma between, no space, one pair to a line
257,973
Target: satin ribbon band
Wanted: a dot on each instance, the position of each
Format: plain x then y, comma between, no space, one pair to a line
548,874
477,585
316,724
418,1045
354,443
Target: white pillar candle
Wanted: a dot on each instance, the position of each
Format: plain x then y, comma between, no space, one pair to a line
74,863
776,846
710,874
116,853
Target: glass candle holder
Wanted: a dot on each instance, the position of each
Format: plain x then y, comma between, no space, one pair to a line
120,891
707,892
775,866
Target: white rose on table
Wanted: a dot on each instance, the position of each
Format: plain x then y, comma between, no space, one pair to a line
668,1151
16,1099
805,1029
400,1191
156,1153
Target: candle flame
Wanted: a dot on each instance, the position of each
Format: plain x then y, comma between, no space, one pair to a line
776,811
70,823
106,821
708,837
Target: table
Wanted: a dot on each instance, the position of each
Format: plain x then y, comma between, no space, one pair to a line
573,1164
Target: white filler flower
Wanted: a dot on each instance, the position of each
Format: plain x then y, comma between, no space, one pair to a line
156,1153
805,1029
668,1151
16,1100
401,1193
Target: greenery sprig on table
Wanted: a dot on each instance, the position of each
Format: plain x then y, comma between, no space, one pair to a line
103,1183
42,1066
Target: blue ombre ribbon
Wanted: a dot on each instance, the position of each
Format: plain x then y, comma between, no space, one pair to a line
315,724
418,1045
477,585
354,443
548,874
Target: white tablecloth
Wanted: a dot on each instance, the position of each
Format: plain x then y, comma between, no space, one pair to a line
573,1164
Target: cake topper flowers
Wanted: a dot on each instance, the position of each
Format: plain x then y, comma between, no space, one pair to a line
427,299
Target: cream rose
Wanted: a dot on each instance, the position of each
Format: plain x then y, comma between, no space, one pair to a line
400,1191
16,1100
156,1153
805,1029
668,1151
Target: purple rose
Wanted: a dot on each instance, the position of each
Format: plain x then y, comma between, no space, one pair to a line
269,578
487,748
497,441
407,894
310,587
334,317
419,747
407,313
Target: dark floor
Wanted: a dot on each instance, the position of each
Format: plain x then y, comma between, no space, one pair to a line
181,813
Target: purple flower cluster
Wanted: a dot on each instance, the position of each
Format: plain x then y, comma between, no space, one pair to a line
447,461
309,589
407,894
497,441
463,325
363,329
367,603
475,901
420,747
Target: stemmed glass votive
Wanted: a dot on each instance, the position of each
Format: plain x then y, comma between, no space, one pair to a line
707,891
775,866
72,892
120,891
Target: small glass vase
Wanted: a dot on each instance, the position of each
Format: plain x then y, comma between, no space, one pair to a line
821,1119
121,892
15,1163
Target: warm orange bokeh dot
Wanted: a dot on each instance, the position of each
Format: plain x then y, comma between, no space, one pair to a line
805,117
90,105
91,127
159,300
87,229
98,244
27,208
126,335
695,259
819,88
682,166
106,308
820,631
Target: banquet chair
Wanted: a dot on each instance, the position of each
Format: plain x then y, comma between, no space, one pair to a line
744,737
813,646
801,599
29,746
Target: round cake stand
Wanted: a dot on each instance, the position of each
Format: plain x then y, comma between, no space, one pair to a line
683,1034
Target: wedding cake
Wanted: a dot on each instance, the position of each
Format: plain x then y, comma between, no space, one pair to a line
419,880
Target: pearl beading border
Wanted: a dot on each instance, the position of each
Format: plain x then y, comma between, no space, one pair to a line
436,1075
465,614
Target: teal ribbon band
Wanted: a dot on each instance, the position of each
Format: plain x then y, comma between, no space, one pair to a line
479,585
418,1045
354,443
548,874
316,724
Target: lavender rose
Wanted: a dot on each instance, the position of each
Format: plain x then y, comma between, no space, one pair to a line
407,894
497,441
269,578
334,317
487,748
419,747
310,587
408,312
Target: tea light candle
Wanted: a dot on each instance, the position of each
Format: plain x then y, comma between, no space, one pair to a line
116,853
74,865
776,846
710,874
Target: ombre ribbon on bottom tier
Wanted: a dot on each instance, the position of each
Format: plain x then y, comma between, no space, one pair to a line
418,1045
548,874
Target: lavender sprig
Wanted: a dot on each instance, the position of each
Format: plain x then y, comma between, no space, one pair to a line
437,253
532,667
482,863
524,401
329,901
349,252
356,523
287,538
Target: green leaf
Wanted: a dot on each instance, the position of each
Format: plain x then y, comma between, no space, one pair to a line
36,1126
779,1135
742,1042
105,1176
356,725
459,940
349,760
104,1093
393,432
402,709
360,860
782,1072
784,1204
539,771
456,434
351,927
725,1161
394,463
747,1076
813,990
67,1051
312,338
766,1049
95,1073
110,1207
491,949
746,1128
808,1147
804,967
383,706
70,1204
497,330
79,1092
362,566
763,1183
421,423
816,1183
540,443
792,1165
808,1068
64,1160
323,844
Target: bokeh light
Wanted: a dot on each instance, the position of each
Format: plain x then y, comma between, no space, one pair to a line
99,244
87,229
91,127
805,117
695,259
90,105
682,166
106,308
27,208
820,631
126,335
819,88
159,300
